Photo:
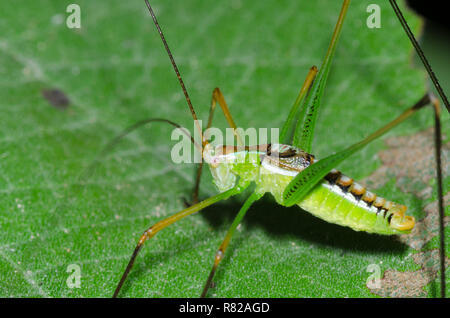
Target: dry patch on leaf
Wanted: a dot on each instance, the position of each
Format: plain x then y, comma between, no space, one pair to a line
411,284
427,228
411,160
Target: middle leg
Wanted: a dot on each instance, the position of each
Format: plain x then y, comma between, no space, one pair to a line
221,251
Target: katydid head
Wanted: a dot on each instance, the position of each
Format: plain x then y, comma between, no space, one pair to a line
226,163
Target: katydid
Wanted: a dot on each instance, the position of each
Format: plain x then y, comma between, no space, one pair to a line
288,171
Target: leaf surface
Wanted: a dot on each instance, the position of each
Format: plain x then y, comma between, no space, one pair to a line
114,72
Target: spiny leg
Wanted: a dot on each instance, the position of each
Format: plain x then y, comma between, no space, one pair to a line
222,248
285,136
150,232
305,126
217,97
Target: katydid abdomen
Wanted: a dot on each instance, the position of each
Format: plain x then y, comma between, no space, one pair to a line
336,199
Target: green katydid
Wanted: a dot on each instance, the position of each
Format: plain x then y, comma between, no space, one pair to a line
288,171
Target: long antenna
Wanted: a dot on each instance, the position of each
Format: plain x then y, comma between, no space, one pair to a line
420,53
172,60
437,140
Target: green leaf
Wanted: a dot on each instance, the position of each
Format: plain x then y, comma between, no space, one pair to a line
114,72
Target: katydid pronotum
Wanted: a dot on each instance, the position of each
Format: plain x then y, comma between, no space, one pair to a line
288,171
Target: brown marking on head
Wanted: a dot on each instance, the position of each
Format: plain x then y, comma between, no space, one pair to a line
290,152
289,159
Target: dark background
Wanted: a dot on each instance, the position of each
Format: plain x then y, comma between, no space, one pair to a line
433,11
435,38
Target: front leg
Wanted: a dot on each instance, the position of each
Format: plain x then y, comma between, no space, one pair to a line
217,97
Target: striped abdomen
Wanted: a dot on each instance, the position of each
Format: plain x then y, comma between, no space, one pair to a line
338,199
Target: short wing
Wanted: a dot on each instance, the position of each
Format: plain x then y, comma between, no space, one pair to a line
304,130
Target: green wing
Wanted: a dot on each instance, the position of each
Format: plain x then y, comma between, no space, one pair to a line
304,130
289,126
